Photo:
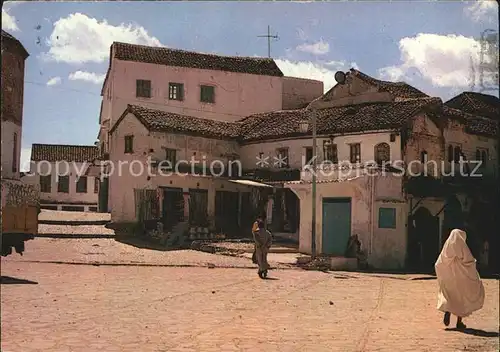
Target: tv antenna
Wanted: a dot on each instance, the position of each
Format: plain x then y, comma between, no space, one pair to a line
269,37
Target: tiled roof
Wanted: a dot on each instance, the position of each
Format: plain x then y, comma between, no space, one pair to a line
474,124
476,103
157,120
398,89
342,119
10,37
58,152
181,58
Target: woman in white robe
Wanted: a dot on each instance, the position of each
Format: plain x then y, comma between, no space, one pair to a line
461,291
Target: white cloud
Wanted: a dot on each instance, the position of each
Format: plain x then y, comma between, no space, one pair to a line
79,38
307,69
318,48
481,10
442,60
341,65
9,22
54,81
87,76
392,73
25,159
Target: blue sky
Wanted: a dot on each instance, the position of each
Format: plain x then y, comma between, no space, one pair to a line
428,44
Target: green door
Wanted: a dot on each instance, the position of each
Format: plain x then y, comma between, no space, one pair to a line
336,225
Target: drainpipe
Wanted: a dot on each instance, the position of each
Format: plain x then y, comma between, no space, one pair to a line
372,210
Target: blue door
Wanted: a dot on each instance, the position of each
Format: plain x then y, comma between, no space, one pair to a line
336,225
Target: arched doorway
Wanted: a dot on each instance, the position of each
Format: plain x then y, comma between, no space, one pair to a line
423,240
453,217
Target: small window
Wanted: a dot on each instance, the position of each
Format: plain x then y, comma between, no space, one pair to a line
96,185
330,152
450,153
355,154
46,184
457,153
171,156
14,154
382,153
143,88
482,156
81,184
282,158
207,94
387,218
309,155
129,144
93,209
176,91
262,161
63,184
423,156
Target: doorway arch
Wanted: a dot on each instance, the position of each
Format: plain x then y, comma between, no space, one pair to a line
453,217
423,241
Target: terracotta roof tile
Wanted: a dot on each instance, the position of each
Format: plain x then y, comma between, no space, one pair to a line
474,123
182,58
343,119
476,103
58,152
158,120
400,90
9,37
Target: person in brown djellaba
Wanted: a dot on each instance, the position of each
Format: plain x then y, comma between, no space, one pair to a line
262,239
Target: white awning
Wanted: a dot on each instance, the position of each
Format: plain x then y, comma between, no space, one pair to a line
250,183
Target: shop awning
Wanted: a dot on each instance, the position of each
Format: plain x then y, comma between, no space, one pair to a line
251,183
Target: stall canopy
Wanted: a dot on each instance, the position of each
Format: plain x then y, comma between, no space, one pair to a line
251,183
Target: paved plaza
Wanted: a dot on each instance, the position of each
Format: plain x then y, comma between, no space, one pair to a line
224,307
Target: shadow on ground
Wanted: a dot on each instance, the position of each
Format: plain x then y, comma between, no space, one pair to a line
7,280
145,244
475,332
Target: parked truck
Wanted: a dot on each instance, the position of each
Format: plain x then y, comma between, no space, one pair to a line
19,215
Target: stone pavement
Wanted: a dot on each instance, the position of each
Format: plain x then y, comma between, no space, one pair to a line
110,252
126,308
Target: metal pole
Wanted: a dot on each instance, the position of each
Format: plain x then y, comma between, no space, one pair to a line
313,230
268,41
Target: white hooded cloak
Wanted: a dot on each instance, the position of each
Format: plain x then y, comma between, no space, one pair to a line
461,291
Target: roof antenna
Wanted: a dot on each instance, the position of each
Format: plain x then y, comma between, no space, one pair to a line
269,37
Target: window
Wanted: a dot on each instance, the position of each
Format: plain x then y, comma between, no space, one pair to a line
81,184
423,156
63,184
457,152
171,156
387,218
45,184
207,94
355,154
282,154
450,153
262,161
330,152
482,155
14,154
309,155
143,88
382,153
96,185
176,91
129,144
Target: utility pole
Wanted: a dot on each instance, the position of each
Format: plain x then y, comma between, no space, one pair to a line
269,37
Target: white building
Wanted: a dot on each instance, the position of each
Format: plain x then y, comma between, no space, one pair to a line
61,173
